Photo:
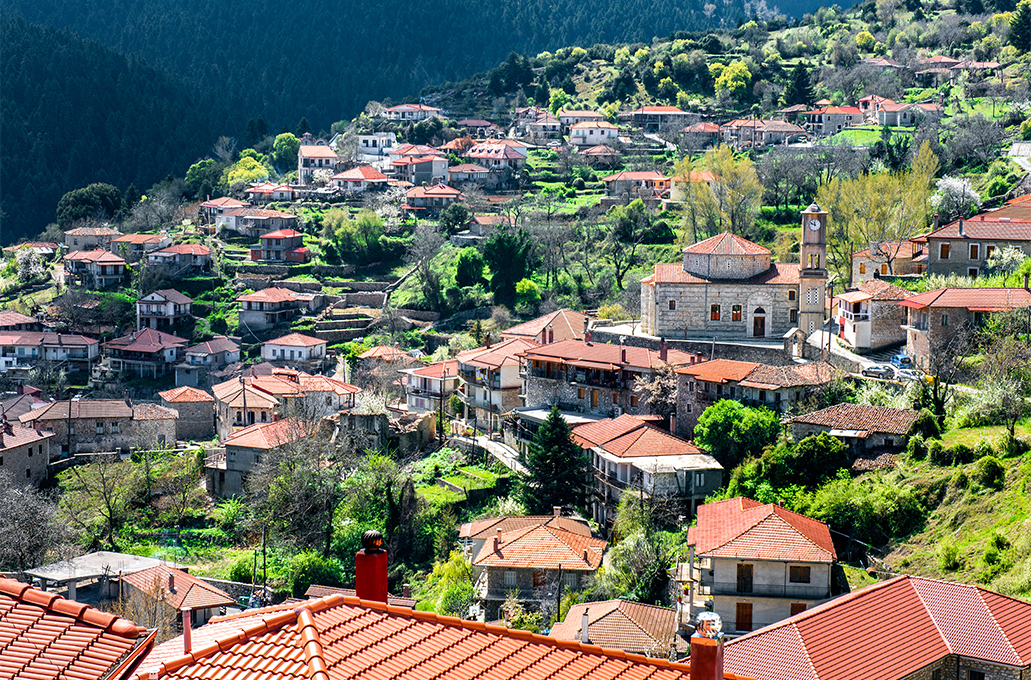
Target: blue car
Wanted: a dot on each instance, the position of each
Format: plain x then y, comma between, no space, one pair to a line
902,361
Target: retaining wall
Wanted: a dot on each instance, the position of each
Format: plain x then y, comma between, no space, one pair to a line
773,355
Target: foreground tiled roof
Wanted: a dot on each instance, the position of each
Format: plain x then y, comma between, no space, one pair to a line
187,590
436,370
887,631
321,383
983,299
485,528
338,637
44,636
630,437
542,547
767,377
19,436
265,436
9,318
93,231
316,591
95,256
153,412
140,238
45,338
500,354
784,273
185,394
231,393
621,624
741,528
566,324
726,244
862,418
296,340
173,296
604,356
362,173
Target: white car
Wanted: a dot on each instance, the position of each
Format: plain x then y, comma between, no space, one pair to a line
908,374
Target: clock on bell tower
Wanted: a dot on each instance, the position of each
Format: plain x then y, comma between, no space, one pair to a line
812,272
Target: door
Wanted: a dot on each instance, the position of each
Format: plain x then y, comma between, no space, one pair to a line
797,608
744,578
744,616
759,326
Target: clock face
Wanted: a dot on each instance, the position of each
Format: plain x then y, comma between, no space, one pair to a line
814,224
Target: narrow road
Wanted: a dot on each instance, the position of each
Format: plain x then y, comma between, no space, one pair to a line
1020,152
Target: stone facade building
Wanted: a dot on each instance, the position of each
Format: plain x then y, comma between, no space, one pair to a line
24,453
964,246
489,381
870,318
897,258
863,428
196,413
101,425
728,287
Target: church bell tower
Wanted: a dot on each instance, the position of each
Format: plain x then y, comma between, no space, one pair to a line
812,283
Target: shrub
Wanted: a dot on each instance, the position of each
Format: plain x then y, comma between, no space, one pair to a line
936,452
308,567
242,570
983,448
948,555
960,454
916,447
990,473
959,480
927,425
579,183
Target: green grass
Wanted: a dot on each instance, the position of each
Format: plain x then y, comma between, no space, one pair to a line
854,136
974,435
439,495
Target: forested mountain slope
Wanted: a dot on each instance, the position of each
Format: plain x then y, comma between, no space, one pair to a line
324,59
75,112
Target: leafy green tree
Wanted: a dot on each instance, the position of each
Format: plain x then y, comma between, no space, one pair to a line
1020,27
449,587
809,463
528,296
800,87
557,468
469,270
508,252
542,94
557,101
97,200
131,197
247,169
284,151
205,172
310,568
731,81
731,431
454,219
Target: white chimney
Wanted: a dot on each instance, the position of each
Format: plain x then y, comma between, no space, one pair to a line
584,638
556,510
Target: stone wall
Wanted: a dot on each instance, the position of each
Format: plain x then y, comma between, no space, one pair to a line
726,266
196,420
418,314
959,261
363,299
154,432
343,335
27,463
321,271
772,355
692,309
886,319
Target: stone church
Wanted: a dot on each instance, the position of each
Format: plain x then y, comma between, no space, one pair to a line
728,287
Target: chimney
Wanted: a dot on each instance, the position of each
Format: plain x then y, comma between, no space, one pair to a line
673,423
707,648
497,541
488,340
585,556
584,638
961,227
663,349
1025,281
370,568
556,510
551,334
936,218
128,401
587,322
187,630
406,590
622,355
171,582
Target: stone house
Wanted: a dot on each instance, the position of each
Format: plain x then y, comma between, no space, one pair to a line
656,118
93,268
271,307
431,200
897,258
385,356
600,157
99,425
481,227
266,192
146,352
496,156
239,404
312,158
253,222
282,245
964,246
214,207
429,387
758,563
411,112
360,179
489,381
984,638
863,428
932,318
136,246
89,238
201,360
24,452
630,455
177,591
631,184
593,133
26,348
830,119
870,318
778,388
751,132
529,562
294,347
196,413
163,309
419,170
325,395
227,474
590,377
182,258
472,536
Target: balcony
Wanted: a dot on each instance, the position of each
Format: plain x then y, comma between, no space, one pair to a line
855,316
919,328
419,392
798,591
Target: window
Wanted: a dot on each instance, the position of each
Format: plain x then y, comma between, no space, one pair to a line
743,620
793,315
30,451
943,251
28,473
594,398
762,395
580,393
672,305
791,295
699,479
975,675
689,408
71,429
797,608
510,579
75,241
972,272
862,267
936,674
735,313
714,313
691,386
1,461
570,580
264,416
744,578
799,574
988,252
114,428
634,399
945,319
975,251
884,268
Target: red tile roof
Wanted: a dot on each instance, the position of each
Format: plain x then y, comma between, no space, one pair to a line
779,273
45,636
485,528
630,437
296,340
883,290
581,114
173,296
658,109
339,637
146,341
983,299
95,256
858,635
703,127
93,231
504,353
466,168
257,212
185,395
493,150
741,528
185,249
437,369
413,107
387,353
188,590
587,124
566,324
269,295
362,173
219,344
140,238
542,547
19,436
281,233
861,418
986,226
621,624
321,383
317,591
437,191
834,110
45,338
79,408
317,151
767,377
635,176
726,244
223,202
606,357
600,150
719,370
415,150
231,393
265,436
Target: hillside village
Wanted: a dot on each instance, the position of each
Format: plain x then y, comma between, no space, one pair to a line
599,373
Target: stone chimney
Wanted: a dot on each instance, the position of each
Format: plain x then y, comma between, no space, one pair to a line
551,334
488,340
961,234
556,510
171,582
663,349
497,541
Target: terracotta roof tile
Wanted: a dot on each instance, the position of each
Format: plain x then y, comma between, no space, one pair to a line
185,249
280,233
362,173
296,340
741,528
93,231
566,324
483,528
317,591
95,256
622,624
985,227
140,238
269,295
79,408
184,395
436,370
153,412
794,375
636,176
189,591
506,352
542,547
147,341
719,370
783,273
630,437
172,295
882,290
213,346
601,355
44,636
986,299
317,151
836,641
860,417
321,383
726,244
265,435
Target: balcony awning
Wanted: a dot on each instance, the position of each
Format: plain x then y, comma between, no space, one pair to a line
854,434
854,296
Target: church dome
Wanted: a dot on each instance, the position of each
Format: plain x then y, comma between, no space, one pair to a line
726,256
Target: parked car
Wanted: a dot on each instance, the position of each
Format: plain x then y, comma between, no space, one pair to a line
902,361
883,371
908,374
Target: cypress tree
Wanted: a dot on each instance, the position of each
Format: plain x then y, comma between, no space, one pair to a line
1020,27
557,467
800,88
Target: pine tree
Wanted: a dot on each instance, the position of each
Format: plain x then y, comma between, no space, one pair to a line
303,126
1020,27
557,467
800,88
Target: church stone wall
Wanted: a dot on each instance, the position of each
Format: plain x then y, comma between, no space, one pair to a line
691,316
726,266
